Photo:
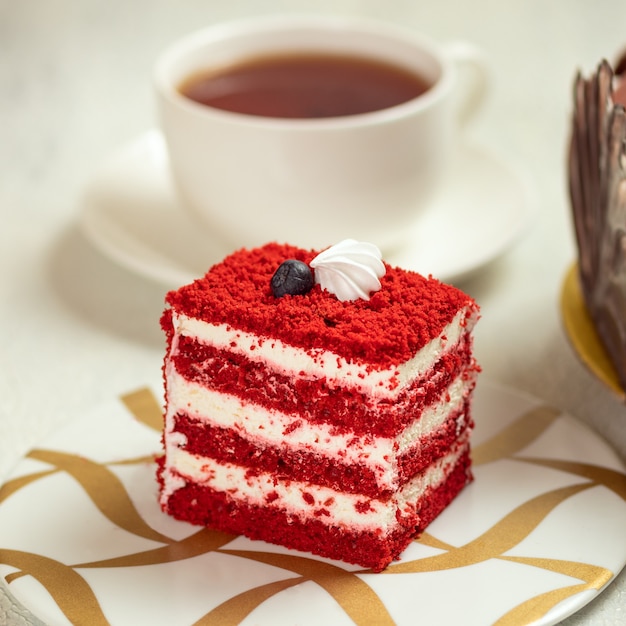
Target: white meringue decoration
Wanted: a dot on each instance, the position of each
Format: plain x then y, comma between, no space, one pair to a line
350,269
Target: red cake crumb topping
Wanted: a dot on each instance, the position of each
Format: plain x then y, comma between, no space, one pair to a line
389,328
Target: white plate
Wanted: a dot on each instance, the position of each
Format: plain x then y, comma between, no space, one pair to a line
536,536
131,213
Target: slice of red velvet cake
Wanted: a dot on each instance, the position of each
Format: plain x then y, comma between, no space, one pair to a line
335,423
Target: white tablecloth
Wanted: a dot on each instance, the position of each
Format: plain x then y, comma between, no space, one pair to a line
76,329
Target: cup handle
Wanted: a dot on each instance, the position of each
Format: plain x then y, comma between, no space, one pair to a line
473,78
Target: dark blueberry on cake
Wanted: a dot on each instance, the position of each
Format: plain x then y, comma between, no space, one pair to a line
292,277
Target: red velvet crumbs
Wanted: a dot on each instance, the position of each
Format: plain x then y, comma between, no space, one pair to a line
363,506
389,328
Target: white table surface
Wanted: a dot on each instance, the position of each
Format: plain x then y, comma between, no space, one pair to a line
77,330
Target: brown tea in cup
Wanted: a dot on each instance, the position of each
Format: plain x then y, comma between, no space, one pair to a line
305,85
253,178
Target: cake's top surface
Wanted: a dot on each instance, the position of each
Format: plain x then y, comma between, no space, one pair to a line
397,321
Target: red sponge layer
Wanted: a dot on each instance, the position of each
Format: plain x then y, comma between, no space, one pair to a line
370,549
314,400
226,445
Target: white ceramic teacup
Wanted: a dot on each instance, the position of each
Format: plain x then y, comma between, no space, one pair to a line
312,182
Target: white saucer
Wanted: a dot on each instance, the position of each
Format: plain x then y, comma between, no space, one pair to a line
131,213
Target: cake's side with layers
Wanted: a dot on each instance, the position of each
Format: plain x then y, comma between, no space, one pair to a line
312,448
356,530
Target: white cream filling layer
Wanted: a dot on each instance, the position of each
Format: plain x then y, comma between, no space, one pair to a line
301,499
284,431
290,360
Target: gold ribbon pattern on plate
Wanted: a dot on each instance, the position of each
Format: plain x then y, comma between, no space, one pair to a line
79,603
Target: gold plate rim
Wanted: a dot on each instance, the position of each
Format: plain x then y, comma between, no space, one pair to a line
582,334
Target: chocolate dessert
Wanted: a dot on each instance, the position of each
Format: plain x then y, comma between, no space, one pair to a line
597,185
